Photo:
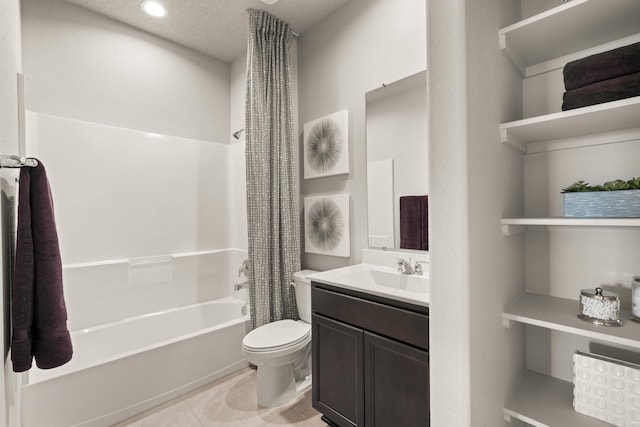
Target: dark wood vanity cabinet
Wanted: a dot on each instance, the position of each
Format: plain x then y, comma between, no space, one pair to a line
370,359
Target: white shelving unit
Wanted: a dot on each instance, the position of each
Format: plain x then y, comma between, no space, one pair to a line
600,118
577,27
541,400
537,44
560,314
544,401
512,226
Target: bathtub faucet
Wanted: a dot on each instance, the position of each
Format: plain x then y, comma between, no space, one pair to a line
244,268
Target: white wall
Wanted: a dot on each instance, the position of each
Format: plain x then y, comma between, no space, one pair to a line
495,190
362,45
474,181
82,65
10,65
135,133
449,313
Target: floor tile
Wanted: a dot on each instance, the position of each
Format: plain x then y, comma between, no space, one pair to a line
230,401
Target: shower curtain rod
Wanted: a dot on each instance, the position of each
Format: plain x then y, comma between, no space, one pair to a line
13,161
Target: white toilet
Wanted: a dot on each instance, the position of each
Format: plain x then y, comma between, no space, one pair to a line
282,350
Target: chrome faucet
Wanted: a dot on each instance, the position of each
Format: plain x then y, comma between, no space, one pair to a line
404,266
418,268
238,286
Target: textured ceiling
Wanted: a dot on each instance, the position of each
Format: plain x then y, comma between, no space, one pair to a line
214,27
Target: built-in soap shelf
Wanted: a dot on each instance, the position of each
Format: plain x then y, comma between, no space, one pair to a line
512,226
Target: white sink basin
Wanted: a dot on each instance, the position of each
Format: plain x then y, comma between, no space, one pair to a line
390,279
381,281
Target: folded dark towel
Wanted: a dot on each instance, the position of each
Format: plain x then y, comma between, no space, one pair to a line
602,66
39,315
414,226
605,91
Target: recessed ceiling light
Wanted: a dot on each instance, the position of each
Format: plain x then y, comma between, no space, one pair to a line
269,2
154,9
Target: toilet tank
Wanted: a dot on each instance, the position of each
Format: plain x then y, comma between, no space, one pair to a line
303,293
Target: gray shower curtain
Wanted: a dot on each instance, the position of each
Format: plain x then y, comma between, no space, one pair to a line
272,190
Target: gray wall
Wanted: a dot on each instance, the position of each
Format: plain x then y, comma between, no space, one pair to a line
364,44
79,64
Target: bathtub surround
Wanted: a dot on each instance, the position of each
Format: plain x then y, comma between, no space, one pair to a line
272,190
39,315
160,242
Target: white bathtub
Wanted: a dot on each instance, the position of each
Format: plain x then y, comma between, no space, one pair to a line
125,367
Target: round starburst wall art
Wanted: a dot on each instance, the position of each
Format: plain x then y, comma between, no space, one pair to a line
326,146
326,221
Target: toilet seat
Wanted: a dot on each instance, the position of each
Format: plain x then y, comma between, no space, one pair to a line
278,335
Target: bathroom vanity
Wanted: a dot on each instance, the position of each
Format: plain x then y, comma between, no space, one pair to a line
370,353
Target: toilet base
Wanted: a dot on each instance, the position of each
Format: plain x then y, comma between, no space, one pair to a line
277,385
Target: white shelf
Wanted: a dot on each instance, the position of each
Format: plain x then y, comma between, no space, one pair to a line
569,28
594,119
560,314
516,225
545,401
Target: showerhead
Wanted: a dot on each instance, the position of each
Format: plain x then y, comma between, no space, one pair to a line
237,134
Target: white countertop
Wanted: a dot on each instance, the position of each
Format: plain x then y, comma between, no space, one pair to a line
413,289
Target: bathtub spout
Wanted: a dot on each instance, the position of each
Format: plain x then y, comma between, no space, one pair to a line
238,286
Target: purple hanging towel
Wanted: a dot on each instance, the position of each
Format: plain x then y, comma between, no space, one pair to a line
39,315
414,222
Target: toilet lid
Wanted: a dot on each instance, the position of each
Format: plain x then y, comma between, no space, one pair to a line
283,333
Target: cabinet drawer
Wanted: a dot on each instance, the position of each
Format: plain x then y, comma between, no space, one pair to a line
394,322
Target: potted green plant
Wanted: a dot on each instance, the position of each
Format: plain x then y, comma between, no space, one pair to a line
618,199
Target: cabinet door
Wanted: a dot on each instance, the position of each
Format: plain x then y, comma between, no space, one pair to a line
337,371
396,383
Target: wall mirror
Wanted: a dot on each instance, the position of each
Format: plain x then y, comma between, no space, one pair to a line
396,134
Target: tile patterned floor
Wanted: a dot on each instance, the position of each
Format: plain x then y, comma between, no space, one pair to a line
230,401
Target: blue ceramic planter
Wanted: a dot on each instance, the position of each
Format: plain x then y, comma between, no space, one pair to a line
608,204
